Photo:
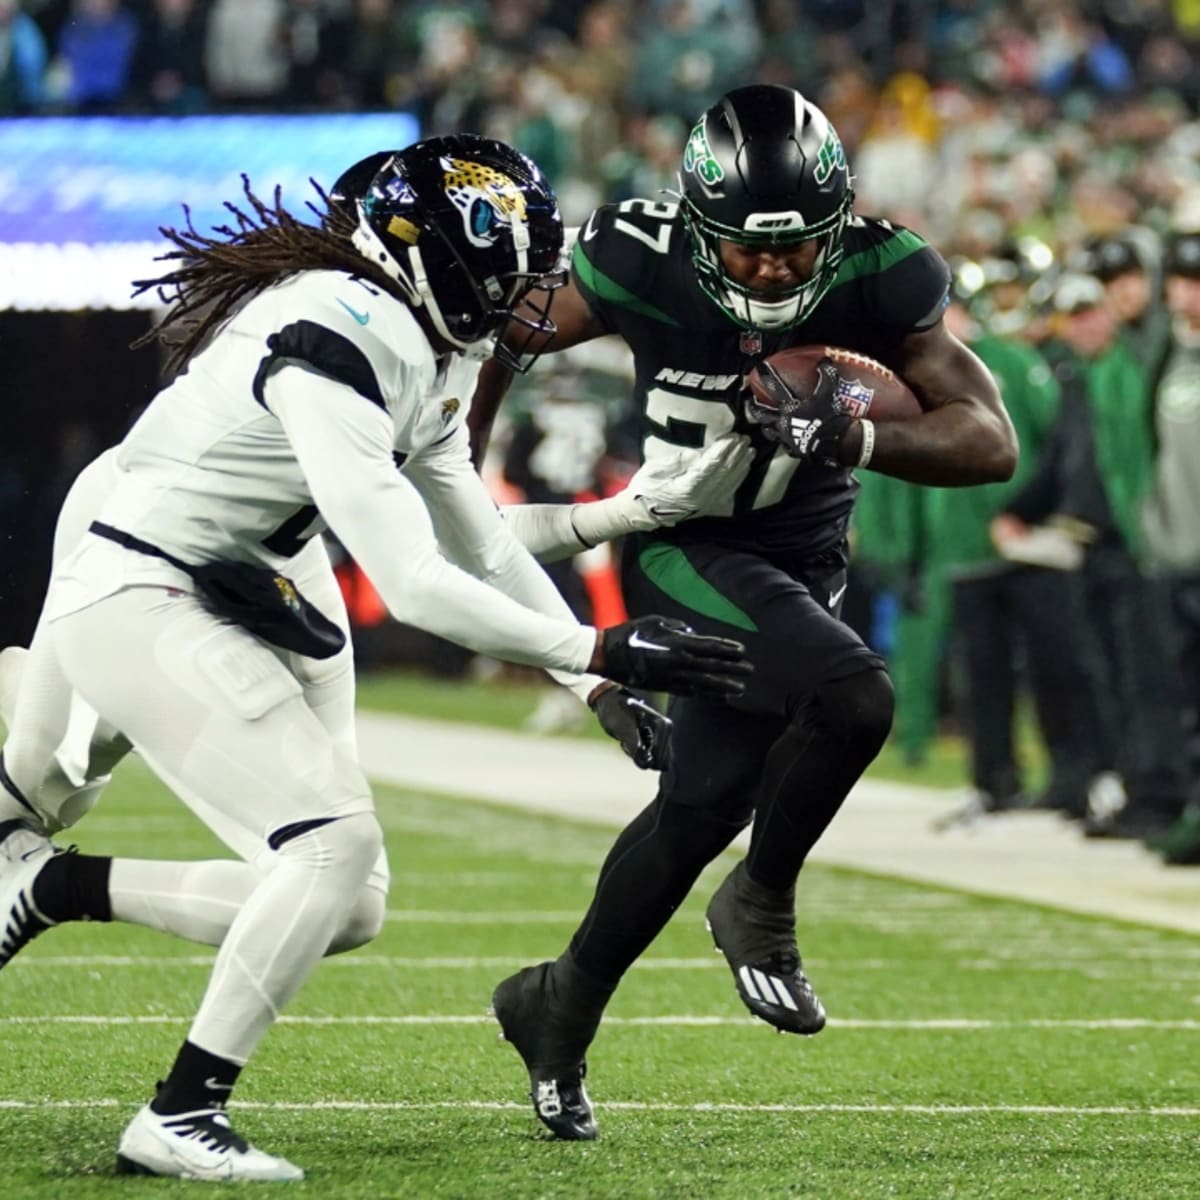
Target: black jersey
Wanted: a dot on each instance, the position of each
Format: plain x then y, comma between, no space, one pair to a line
632,263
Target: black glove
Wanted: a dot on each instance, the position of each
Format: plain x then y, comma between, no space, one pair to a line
809,428
660,654
643,732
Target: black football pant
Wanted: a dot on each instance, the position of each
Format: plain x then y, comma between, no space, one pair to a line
1030,620
786,753
1183,592
1135,627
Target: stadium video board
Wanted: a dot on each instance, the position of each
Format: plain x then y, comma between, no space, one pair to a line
82,198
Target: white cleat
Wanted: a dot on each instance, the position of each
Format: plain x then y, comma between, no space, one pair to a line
196,1145
23,853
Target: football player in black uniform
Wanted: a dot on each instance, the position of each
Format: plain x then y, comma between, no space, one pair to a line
760,251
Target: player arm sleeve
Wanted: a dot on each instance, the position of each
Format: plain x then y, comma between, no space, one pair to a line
343,443
665,491
476,538
551,532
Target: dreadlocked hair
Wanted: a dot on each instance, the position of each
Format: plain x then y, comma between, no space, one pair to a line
216,275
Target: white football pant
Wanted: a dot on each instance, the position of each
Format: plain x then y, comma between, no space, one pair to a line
222,720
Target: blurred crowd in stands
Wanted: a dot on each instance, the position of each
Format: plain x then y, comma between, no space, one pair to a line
966,118
1049,148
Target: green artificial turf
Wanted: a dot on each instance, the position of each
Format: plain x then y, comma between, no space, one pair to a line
976,1047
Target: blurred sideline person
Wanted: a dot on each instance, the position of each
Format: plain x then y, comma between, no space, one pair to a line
1171,515
1127,265
1014,613
327,375
1090,483
761,251
888,603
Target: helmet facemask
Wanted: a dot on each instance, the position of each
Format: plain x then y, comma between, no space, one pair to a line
747,306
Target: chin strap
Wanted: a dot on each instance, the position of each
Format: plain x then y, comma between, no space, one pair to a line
368,243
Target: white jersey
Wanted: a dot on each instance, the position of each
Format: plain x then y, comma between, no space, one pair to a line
322,402
208,472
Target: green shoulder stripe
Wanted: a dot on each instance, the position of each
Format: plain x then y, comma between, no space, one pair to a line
872,260
668,568
609,289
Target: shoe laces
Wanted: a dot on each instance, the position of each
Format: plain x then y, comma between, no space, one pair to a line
23,926
210,1128
782,962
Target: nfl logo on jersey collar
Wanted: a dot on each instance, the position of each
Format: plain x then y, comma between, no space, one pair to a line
750,342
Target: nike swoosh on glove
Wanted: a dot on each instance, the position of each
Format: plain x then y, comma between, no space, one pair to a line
661,654
690,484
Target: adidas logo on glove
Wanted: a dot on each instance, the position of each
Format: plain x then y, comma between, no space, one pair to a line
804,430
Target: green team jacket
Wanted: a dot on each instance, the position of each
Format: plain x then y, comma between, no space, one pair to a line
900,523
1120,388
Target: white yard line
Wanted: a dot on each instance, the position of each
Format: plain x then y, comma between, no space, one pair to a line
921,1110
883,827
1115,969
936,1024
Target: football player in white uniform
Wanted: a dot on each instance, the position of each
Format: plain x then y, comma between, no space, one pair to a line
326,373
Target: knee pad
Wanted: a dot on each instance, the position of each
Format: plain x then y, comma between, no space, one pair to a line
857,709
363,922
349,845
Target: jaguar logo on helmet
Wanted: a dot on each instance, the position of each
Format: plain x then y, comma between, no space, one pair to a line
487,199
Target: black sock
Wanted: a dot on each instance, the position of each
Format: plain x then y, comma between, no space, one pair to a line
576,989
197,1080
73,887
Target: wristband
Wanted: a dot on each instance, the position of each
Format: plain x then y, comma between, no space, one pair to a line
583,542
868,443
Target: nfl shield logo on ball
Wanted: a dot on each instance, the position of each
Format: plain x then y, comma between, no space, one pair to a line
852,397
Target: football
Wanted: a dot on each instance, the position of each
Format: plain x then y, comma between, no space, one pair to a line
865,388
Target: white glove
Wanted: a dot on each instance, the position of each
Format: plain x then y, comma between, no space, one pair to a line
679,486
663,492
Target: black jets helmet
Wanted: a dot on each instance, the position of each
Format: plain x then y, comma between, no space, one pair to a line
764,167
465,225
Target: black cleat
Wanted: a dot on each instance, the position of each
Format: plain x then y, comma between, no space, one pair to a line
552,1045
756,931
